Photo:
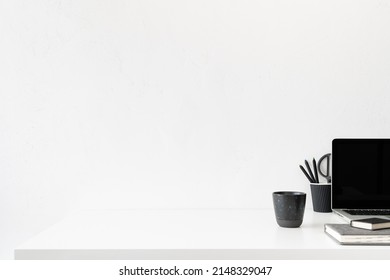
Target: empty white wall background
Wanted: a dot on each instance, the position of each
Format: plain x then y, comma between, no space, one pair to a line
178,104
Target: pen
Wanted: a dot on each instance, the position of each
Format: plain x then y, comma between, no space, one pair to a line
311,173
307,175
315,170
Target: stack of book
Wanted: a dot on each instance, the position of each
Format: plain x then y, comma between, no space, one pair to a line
370,231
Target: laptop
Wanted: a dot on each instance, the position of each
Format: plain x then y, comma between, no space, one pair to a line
361,178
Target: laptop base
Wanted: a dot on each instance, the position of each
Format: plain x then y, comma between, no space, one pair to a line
365,213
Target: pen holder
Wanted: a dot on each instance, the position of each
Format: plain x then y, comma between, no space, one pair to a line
320,194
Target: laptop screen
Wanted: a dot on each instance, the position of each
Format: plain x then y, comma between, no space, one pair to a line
361,174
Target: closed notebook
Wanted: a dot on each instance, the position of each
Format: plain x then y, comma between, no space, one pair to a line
347,235
371,223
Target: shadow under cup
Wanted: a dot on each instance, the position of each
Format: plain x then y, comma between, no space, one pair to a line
289,208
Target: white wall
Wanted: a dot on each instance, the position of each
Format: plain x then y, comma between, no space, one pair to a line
201,104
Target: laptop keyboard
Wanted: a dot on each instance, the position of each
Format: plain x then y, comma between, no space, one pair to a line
368,212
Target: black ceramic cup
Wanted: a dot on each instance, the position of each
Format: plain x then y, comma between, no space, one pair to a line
289,208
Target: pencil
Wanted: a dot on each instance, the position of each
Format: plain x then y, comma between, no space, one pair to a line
307,175
311,173
315,170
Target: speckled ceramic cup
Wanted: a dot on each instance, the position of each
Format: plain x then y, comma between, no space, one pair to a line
289,208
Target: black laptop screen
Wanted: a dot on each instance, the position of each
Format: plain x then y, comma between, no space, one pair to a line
361,173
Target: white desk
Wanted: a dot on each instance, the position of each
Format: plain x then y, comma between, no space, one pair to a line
190,234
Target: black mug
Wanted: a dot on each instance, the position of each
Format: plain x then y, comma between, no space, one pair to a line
289,208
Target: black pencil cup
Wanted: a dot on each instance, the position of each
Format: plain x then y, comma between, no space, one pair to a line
320,194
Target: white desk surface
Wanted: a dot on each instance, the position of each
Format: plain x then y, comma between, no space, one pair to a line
191,234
